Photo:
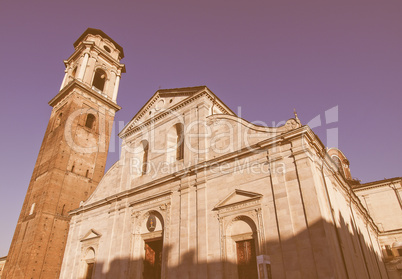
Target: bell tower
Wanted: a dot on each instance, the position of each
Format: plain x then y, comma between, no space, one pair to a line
72,158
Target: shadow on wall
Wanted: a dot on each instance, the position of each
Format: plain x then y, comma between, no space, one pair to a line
322,251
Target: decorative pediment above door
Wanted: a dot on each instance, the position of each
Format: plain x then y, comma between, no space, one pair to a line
237,200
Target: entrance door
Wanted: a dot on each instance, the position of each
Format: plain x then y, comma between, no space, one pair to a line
153,259
246,259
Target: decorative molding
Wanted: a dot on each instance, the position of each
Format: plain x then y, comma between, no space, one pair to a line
69,88
89,233
152,199
250,199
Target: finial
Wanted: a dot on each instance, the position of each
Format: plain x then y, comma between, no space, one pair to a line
297,118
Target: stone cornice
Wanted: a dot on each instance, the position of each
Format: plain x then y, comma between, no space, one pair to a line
150,198
77,84
81,49
390,232
377,184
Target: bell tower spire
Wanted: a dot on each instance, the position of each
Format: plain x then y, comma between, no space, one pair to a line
72,158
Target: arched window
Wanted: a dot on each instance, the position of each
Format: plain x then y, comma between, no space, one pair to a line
89,123
99,80
145,147
175,143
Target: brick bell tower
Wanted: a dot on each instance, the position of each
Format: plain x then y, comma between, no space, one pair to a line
72,158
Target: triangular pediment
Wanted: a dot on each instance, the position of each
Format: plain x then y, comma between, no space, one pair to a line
168,100
91,234
237,197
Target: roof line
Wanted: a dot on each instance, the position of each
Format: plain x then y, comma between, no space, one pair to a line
94,31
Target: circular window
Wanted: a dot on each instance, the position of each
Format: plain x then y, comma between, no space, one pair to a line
107,48
171,100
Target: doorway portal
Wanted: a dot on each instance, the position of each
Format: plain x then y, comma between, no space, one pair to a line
153,259
246,259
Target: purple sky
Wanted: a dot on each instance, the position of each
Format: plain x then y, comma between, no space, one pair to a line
266,56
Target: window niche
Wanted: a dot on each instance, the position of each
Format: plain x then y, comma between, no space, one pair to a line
145,148
175,143
90,121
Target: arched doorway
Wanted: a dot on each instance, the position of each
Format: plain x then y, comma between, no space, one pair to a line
242,247
152,235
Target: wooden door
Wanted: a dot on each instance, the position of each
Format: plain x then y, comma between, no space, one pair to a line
153,259
246,259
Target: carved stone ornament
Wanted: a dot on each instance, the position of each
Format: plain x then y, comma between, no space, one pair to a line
292,124
210,121
151,223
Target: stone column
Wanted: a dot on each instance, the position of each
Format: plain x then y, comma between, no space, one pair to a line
83,67
91,68
202,227
116,86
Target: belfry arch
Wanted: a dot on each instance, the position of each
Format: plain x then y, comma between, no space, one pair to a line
99,80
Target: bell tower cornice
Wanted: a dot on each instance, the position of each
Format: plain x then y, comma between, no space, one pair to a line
85,89
93,51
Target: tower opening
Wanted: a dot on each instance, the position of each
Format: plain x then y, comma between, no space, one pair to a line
99,80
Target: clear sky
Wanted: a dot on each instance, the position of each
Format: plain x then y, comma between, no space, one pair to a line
267,57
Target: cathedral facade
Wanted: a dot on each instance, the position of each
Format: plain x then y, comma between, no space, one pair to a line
199,192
